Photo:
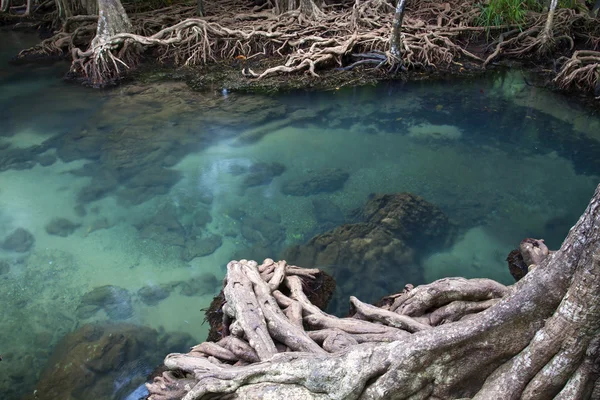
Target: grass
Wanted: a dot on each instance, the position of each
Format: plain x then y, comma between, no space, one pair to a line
506,12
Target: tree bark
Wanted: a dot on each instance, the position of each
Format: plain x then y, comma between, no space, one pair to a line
112,19
70,8
546,36
4,5
396,36
538,339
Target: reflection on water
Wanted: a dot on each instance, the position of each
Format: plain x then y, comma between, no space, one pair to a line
125,205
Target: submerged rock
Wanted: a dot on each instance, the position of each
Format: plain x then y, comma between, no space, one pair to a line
46,159
379,255
148,184
205,284
262,173
100,362
327,212
200,247
115,301
20,241
320,181
409,217
151,295
61,227
4,267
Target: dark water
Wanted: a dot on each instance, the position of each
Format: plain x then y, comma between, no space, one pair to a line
133,200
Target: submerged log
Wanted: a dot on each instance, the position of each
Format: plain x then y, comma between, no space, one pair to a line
454,338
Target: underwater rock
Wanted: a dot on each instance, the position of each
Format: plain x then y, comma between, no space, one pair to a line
327,212
99,187
436,132
265,231
320,181
4,267
100,362
355,254
201,218
61,227
148,184
46,159
164,227
379,255
410,218
200,247
151,295
98,224
262,173
20,241
200,285
115,300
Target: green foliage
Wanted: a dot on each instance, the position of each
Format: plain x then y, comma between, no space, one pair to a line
505,12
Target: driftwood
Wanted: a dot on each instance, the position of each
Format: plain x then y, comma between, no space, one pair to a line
454,338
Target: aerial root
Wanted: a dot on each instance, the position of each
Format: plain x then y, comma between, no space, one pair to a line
267,316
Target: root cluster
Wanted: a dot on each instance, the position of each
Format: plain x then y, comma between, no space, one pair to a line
433,36
267,314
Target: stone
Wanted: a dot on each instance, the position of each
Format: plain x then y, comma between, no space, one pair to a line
326,211
379,254
200,247
409,217
201,218
46,159
262,173
164,227
115,300
314,182
205,284
20,240
152,295
61,227
88,363
147,184
4,267
262,231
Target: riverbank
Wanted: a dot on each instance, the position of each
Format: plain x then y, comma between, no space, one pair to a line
241,47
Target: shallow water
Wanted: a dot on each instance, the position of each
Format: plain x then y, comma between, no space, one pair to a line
162,187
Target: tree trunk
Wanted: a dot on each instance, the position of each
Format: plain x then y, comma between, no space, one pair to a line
70,8
546,36
200,8
454,338
396,38
112,19
4,5
306,7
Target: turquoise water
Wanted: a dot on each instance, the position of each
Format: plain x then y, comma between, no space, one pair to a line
148,190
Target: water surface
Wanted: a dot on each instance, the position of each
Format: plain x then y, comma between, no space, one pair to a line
162,187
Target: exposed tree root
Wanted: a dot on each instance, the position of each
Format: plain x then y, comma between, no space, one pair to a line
581,70
453,338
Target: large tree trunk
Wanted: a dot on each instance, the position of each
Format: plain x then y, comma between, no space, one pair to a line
455,338
70,8
112,19
4,5
306,7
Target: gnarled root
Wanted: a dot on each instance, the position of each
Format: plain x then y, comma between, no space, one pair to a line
536,339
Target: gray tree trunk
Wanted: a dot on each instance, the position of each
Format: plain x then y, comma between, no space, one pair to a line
454,338
112,19
70,8
396,38
4,5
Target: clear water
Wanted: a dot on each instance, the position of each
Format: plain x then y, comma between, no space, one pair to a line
140,169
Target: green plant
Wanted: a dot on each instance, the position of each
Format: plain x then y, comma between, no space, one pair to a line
506,12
